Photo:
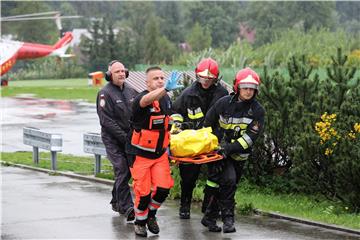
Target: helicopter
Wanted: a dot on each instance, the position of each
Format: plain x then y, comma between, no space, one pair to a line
11,50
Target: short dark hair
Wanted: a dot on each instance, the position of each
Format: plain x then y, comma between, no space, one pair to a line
153,68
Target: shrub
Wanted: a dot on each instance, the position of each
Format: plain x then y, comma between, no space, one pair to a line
311,136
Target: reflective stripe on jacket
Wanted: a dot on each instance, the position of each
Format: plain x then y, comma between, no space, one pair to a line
194,102
240,123
150,127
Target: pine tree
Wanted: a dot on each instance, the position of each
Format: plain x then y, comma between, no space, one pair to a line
327,160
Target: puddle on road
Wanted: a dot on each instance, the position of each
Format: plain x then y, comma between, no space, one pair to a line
38,108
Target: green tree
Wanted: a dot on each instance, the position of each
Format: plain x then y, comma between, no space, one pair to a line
39,31
92,48
128,51
330,159
312,135
157,47
199,38
348,10
219,18
270,18
136,16
313,14
66,8
171,22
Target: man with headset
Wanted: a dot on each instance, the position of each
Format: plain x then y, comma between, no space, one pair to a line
113,105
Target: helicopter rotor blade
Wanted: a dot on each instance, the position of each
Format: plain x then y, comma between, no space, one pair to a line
30,15
37,18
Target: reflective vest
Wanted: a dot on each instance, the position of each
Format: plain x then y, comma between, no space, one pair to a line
153,134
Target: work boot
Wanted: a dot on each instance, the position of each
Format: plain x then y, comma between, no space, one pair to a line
114,207
130,214
140,230
153,225
211,214
210,224
184,212
228,226
227,215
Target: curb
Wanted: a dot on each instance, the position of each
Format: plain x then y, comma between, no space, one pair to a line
306,221
257,211
60,173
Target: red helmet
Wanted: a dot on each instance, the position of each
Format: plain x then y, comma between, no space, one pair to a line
246,78
207,68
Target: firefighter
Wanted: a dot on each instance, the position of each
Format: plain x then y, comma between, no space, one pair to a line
114,111
240,118
191,107
148,143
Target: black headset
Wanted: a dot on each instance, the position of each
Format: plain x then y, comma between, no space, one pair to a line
108,72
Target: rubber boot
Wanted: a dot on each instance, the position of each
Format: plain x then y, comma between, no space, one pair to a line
211,214
227,215
184,211
228,226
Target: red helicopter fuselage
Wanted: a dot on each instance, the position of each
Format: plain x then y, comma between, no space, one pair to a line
14,50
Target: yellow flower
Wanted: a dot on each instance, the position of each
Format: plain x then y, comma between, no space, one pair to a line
328,151
357,127
351,135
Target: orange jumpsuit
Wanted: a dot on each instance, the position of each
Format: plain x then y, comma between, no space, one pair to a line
150,169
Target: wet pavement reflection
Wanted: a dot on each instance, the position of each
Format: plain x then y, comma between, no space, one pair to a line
41,206
70,118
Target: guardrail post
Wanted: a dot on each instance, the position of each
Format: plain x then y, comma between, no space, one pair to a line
97,164
53,160
48,141
35,155
94,145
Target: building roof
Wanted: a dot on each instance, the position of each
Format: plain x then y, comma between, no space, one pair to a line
136,79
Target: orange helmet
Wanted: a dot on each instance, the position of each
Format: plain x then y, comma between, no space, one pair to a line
207,68
246,78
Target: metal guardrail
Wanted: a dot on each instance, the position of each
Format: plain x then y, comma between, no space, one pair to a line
94,145
48,141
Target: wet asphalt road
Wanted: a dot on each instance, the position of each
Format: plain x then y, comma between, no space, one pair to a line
71,119
37,205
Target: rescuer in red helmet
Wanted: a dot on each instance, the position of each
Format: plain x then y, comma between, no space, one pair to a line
239,119
191,107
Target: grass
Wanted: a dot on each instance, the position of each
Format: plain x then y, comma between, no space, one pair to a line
248,197
65,162
64,89
315,208
71,82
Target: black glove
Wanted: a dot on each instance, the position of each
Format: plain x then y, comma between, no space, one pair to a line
223,150
218,167
187,125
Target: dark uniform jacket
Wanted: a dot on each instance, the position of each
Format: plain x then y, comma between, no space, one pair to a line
114,110
237,124
194,102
